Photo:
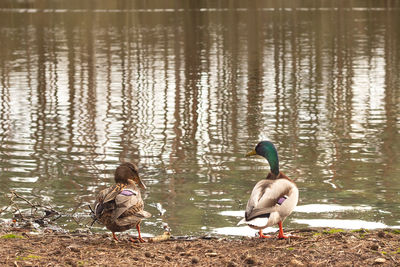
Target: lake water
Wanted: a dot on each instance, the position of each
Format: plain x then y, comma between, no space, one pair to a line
186,88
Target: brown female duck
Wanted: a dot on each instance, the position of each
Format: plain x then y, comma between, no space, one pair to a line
120,207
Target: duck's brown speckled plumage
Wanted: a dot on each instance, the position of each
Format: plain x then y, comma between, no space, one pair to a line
120,206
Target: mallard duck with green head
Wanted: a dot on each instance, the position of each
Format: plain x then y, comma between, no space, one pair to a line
120,207
273,198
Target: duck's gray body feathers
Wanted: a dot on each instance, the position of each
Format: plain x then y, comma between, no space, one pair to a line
271,201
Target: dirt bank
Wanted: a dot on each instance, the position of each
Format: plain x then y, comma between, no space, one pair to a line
314,247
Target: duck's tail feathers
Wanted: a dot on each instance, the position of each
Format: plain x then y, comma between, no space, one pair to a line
242,221
132,219
145,214
92,215
257,222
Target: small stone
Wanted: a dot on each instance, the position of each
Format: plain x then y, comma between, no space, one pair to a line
179,248
381,234
184,254
364,257
296,263
212,254
249,260
73,248
374,247
57,252
25,235
379,260
69,261
232,264
195,260
388,235
168,258
147,254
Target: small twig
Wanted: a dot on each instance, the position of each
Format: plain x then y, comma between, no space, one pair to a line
3,210
56,218
16,209
91,210
393,259
76,221
24,199
76,208
73,214
356,246
94,218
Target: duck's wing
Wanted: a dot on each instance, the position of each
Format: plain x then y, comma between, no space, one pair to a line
260,191
129,200
113,192
104,198
134,218
109,194
269,196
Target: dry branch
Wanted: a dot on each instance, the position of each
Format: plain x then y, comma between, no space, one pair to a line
39,213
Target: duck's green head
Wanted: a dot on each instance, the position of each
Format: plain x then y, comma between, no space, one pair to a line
267,150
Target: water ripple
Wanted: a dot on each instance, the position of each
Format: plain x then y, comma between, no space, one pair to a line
185,97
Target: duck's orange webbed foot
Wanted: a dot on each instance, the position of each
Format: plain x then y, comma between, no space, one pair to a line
262,235
115,238
137,239
281,235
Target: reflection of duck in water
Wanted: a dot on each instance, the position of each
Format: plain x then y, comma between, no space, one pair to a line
273,198
120,207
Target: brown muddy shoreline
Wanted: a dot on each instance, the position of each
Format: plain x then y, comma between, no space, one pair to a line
313,247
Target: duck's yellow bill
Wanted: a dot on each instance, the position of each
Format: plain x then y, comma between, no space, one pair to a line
251,153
